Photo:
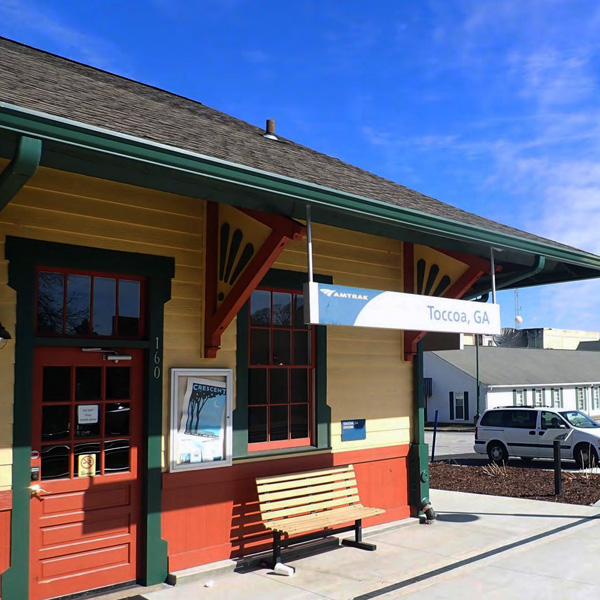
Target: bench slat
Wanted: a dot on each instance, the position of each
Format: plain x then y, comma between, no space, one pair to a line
313,489
321,520
293,511
309,499
301,482
303,474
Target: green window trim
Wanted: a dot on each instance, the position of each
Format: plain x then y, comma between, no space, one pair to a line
293,281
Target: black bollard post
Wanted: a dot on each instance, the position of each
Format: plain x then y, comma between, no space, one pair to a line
557,469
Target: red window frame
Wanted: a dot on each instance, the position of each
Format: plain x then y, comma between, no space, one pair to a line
310,368
93,275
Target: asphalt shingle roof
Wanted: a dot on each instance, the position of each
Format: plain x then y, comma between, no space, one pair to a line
527,366
40,81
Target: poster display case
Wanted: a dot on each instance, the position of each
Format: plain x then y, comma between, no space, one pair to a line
201,407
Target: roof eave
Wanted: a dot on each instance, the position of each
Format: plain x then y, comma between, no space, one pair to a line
180,162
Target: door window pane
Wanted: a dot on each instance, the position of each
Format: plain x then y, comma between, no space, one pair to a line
87,420
260,308
55,462
299,424
278,427
282,347
88,383
57,384
257,424
260,346
117,383
129,308
117,419
56,422
282,309
79,289
279,392
50,302
81,454
105,305
116,456
257,386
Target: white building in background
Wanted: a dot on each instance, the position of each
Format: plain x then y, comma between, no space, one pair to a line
509,377
537,337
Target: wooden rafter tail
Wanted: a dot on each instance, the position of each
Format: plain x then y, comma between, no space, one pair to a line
287,227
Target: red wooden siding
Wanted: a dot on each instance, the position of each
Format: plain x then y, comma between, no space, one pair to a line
5,514
213,514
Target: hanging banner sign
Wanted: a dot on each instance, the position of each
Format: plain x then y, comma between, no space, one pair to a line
339,305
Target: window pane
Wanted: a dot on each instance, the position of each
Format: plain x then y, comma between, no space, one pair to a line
299,426
88,383
282,347
79,289
278,429
257,424
302,348
117,383
90,448
55,462
129,308
299,385
299,312
257,386
117,419
116,456
260,308
56,422
279,386
51,289
260,346
105,305
57,384
87,420
282,310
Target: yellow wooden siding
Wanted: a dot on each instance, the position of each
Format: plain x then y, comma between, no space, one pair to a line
73,209
366,375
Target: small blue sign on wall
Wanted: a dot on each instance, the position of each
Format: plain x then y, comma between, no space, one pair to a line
354,430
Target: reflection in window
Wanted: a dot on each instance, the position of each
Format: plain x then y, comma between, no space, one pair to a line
105,305
117,419
56,384
116,456
79,288
129,308
50,304
260,308
55,462
282,310
56,422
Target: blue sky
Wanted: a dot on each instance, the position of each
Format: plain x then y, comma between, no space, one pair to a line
490,105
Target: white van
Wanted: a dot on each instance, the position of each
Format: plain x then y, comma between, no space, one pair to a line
517,431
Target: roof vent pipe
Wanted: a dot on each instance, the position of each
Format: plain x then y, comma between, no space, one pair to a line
270,130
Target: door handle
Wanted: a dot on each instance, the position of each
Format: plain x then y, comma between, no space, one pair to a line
36,490
532,433
541,432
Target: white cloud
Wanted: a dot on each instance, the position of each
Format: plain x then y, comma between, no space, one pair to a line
26,17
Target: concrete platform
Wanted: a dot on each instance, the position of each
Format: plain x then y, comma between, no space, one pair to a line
486,545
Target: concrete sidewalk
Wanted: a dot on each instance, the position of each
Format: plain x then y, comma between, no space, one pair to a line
485,545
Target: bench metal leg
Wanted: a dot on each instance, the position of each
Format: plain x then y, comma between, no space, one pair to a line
276,547
357,541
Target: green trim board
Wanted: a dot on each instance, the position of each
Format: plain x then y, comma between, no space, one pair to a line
24,255
290,280
82,146
21,168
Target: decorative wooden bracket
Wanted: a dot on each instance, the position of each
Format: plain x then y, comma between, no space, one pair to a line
477,267
232,260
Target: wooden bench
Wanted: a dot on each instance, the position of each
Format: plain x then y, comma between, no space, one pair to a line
313,501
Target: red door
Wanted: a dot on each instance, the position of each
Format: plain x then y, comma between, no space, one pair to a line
86,447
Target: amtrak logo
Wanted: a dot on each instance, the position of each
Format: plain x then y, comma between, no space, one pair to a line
333,294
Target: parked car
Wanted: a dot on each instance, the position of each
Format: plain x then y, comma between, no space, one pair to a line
517,431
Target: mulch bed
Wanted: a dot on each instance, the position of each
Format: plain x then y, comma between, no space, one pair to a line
536,484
